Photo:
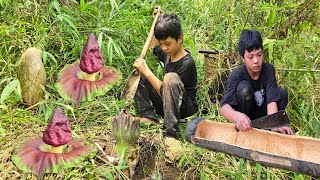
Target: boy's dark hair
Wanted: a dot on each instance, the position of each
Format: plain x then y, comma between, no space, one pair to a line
249,40
167,26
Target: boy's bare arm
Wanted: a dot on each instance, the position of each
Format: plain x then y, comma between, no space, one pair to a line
143,68
241,120
272,108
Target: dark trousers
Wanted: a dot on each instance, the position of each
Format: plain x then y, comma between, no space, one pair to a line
247,104
172,103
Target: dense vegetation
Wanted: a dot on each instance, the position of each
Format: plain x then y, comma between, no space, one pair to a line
291,33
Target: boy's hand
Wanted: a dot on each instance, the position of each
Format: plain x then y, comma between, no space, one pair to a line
154,42
243,122
155,11
283,130
142,66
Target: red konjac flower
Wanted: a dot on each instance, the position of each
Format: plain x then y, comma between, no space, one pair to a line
87,79
44,155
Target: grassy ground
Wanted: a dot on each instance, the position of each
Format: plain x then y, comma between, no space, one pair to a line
291,37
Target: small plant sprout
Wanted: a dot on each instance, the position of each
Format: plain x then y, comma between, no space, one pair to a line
88,78
54,151
126,131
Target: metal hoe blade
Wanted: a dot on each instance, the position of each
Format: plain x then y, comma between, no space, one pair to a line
131,86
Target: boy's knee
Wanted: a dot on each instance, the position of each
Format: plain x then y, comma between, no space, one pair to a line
283,94
244,90
171,79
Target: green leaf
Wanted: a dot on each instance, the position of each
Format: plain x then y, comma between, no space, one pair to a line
181,161
48,113
66,18
240,172
8,90
106,173
249,173
44,57
110,51
105,29
2,131
68,107
82,4
272,17
117,49
52,57
56,5
100,36
258,171
18,91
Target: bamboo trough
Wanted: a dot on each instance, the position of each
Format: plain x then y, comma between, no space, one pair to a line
295,153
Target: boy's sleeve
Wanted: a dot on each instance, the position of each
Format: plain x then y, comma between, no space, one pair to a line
231,89
271,85
159,54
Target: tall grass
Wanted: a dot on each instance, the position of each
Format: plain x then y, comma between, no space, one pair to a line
60,29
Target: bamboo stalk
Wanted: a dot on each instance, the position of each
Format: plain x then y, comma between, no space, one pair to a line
299,70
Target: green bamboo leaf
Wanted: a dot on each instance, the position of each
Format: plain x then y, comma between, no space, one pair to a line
106,173
8,90
268,6
56,6
117,49
272,17
52,58
6,80
258,171
68,107
110,51
65,18
48,113
105,29
100,36
240,173
44,57
3,2
18,91
270,51
3,107
2,131
268,173
82,4
181,161
249,171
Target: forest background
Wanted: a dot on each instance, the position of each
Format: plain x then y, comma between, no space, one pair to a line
291,34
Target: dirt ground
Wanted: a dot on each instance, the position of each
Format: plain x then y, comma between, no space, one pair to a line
152,162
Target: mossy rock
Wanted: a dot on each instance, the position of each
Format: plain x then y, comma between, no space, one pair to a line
32,76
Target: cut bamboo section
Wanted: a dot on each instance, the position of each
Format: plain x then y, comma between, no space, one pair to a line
294,153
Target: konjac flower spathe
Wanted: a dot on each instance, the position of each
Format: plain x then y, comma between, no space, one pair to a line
87,79
54,151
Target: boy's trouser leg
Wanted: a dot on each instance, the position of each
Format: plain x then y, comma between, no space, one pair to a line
148,101
283,102
176,103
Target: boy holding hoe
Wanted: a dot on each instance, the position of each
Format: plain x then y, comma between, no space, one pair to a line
174,97
252,89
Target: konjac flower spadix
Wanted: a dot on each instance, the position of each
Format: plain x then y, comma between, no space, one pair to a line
87,79
54,151
91,59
